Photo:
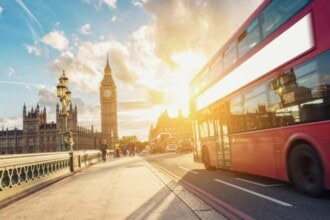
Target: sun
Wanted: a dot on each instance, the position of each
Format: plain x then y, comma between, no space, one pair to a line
189,63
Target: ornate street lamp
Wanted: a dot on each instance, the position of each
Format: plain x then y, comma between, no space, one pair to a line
64,94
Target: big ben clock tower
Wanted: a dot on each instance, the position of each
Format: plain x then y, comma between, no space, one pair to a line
108,99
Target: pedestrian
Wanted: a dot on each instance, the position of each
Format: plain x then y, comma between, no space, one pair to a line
124,150
133,149
117,149
130,149
104,148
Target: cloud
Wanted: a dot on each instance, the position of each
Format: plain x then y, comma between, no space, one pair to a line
156,96
88,114
134,105
110,3
79,73
137,122
123,69
138,3
85,29
27,10
133,126
26,84
34,49
33,31
10,71
11,123
32,22
114,18
48,97
85,67
1,10
195,25
75,40
56,39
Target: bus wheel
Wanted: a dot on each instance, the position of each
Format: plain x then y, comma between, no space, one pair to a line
206,159
306,170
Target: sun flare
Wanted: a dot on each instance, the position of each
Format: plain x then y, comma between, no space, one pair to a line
177,88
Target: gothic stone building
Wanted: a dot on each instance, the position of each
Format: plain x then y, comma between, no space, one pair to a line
178,127
39,136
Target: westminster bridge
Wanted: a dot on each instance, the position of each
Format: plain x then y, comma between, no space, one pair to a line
79,185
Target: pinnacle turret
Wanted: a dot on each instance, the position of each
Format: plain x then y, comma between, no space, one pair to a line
107,69
24,109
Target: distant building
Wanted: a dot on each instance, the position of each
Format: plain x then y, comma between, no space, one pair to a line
125,140
39,136
177,127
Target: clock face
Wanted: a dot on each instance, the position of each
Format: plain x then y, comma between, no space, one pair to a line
107,93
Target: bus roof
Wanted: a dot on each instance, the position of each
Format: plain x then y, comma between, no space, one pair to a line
221,50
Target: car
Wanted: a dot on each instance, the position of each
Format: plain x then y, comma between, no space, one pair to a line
170,148
145,151
184,145
156,149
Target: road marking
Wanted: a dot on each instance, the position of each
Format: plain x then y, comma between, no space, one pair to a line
255,193
186,169
222,207
259,184
168,163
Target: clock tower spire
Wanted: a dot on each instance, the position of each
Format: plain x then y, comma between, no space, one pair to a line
107,69
108,100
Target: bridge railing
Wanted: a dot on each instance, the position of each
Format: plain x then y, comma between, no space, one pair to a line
22,172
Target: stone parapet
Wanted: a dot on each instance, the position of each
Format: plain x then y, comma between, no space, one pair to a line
20,173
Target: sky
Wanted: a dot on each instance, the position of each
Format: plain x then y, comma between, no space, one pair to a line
155,48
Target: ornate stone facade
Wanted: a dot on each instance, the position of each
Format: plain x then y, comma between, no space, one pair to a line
39,136
177,127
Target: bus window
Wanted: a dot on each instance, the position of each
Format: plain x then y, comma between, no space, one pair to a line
203,132
236,114
230,56
216,69
278,12
315,76
204,79
256,116
303,93
249,38
211,128
287,116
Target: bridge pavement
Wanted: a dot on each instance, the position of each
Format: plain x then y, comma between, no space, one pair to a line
120,189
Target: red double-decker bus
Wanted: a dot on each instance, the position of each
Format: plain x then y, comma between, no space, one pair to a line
261,105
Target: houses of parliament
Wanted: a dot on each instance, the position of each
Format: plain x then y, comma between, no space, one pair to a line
37,135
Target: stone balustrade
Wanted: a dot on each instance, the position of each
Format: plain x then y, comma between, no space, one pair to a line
22,172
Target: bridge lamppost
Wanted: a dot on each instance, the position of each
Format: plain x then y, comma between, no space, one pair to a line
64,94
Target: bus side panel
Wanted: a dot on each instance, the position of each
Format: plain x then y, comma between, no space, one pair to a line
213,155
321,23
252,152
264,152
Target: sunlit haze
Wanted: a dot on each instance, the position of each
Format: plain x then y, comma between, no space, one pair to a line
155,48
